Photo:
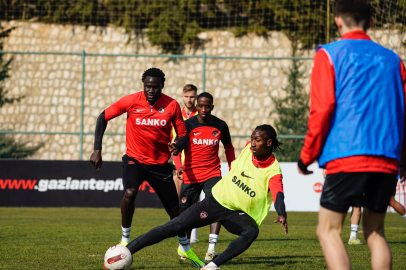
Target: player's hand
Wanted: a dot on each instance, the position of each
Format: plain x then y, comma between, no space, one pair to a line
283,222
172,149
96,159
324,173
304,172
180,171
402,174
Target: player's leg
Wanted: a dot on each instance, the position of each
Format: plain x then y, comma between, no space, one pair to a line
198,215
340,191
377,196
189,195
161,180
329,234
239,223
398,207
215,227
355,221
133,176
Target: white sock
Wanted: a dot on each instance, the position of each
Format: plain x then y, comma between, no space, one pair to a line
210,264
354,230
126,234
193,235
184,243
404,216
212,242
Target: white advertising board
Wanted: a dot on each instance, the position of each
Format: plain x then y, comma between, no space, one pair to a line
302,192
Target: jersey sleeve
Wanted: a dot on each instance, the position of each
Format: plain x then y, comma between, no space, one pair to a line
322,104
275,185
228,146
118,108
403,76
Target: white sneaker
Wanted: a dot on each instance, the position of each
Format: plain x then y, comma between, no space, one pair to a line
210,268
354,241
210,255
193,240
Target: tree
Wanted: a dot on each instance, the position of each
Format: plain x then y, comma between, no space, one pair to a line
292,111
9,147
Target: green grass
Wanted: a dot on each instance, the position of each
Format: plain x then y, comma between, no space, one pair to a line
77,238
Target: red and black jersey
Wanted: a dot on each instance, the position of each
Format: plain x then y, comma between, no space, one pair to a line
148,129
201,154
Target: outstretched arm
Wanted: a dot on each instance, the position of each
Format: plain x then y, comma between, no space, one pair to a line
101,124
276,188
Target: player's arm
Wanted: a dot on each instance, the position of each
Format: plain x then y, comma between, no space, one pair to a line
403,153
180,129
228,145
276,188
111,112
322,104
101,125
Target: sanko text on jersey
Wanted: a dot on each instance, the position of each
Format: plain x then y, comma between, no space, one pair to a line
150,122
205,141
243,186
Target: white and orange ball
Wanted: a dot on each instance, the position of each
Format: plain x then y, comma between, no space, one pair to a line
118,257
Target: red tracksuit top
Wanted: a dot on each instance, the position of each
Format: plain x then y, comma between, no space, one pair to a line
322,105
148,129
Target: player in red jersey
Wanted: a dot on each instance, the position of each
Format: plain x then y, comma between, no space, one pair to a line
201,167
150,117
189,96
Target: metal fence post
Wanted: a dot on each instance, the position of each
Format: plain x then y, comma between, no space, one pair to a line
204,73
82,105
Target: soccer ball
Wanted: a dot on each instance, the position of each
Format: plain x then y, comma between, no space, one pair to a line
118,257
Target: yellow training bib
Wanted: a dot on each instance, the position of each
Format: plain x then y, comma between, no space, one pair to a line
245,187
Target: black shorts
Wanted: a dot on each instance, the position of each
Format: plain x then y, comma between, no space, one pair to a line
363,189
209,211
159,177
189,193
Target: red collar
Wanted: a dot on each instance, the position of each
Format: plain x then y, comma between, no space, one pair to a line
263,163
357,34
186,116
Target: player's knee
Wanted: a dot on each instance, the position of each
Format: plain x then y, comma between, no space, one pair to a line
174,212
130,194
251,233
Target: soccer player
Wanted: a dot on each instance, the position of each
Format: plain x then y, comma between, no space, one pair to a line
201,167
356,128
189,96
150,117
240,201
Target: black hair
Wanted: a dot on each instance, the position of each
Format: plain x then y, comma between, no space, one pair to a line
270,134
354,12
154,72
206,95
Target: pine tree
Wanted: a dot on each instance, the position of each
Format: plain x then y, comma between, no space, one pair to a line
9,147
292,112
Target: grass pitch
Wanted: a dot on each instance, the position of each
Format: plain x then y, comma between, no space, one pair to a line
77,238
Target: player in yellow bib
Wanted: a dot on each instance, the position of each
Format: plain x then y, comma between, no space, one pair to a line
240,201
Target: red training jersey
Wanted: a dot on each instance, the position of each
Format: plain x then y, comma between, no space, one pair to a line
201,154
148,129
322,106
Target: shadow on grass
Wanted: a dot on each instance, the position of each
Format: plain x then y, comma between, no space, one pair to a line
281,239
271,261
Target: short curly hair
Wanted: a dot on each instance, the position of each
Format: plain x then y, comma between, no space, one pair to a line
270,134
154,72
